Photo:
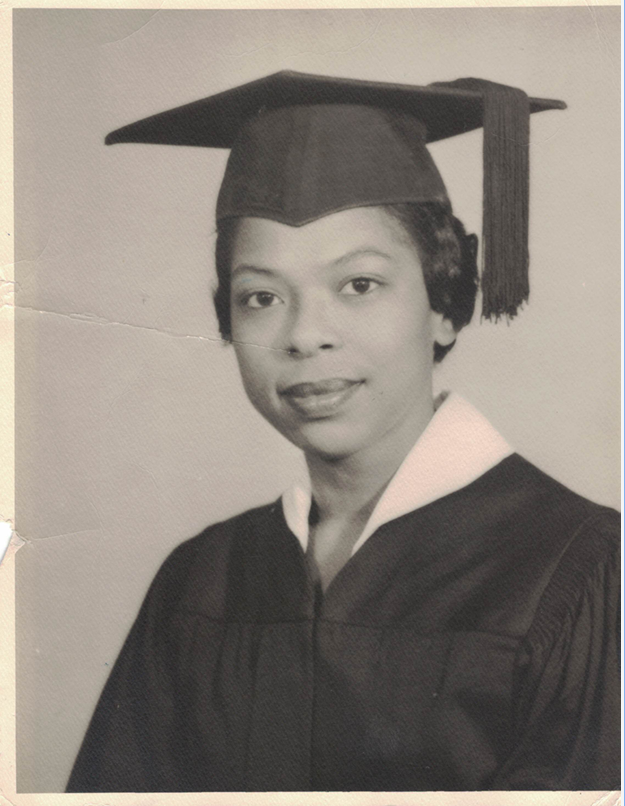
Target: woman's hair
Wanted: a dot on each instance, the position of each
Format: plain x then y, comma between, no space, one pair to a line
448,259
447,254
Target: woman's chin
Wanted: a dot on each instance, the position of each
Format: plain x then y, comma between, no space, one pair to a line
329,440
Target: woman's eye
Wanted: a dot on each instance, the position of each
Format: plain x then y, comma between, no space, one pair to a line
262,299
359,286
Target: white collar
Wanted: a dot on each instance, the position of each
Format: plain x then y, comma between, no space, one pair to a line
457,447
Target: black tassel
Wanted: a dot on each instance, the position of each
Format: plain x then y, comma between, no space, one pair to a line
505,225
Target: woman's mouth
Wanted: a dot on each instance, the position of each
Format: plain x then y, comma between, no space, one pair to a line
320,399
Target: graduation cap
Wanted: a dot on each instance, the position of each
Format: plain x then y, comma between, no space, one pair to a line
304,146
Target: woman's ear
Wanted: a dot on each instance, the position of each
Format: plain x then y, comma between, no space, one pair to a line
443,332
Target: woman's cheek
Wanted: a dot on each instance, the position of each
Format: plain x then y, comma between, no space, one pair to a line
255,371
255,327
388,330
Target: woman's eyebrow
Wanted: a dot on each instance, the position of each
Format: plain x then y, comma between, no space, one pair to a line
246,268
361,252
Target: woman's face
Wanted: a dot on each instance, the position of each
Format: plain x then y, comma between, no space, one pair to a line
333,329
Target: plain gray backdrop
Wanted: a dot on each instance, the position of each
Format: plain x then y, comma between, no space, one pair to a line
133,429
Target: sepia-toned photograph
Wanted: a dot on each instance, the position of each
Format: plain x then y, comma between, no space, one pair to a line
318,398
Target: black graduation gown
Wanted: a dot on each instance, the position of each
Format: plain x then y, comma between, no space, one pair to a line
469,644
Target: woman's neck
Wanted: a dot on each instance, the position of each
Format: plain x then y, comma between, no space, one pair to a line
348,488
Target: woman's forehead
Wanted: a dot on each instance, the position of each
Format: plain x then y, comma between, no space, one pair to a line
263,242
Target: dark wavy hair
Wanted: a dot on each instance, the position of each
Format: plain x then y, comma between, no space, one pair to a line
447,254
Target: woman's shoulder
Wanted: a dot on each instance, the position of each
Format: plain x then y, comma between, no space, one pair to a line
543,505
197,574
562,539
586,575
226,535
538,543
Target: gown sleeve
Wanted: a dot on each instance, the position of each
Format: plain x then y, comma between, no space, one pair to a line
131,741
568,674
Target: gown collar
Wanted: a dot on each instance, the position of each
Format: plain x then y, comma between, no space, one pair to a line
457,447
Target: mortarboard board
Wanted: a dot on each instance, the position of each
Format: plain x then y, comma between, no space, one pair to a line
304,146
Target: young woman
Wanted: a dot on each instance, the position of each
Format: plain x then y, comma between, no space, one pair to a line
428,611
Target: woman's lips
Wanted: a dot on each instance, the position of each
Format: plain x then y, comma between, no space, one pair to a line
320,399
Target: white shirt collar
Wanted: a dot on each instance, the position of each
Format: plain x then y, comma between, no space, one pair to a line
457,447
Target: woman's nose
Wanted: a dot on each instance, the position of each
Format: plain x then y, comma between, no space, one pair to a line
310,329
